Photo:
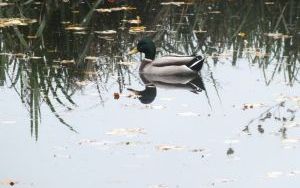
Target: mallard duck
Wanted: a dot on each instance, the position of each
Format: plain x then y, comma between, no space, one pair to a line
170,65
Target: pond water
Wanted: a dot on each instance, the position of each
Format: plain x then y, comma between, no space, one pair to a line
73,113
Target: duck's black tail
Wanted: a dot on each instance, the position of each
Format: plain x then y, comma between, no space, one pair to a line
196,63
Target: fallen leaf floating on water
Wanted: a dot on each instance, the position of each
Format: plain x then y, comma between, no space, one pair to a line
65,22
269,3
64,62
175,3
116,96
241,34
126,132
8,22
80,33
91,58
215,12
35,57
5,4
136,21
169,148
106,32
32,37
74,27
199,31
251,106
137,29
114,9
8,182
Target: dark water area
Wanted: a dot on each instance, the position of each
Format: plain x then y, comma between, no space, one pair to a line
75,112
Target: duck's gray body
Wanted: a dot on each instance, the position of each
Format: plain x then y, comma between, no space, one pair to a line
167,66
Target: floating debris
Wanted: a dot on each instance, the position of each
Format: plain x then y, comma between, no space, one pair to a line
8,182
32,37
2,4
241,34
91,58
80,33
65,22
134,21
137,29
75,27
9,22
269,3
116,96
175,3
247,106
199,31
106,32
35,57
214,12
169,148
115,9
66,61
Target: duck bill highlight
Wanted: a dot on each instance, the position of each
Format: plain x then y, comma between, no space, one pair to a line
133,51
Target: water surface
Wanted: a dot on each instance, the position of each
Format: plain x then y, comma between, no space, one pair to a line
69,118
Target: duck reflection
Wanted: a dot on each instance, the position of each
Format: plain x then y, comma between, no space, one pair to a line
192,83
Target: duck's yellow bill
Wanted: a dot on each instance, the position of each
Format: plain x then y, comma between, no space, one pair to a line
133,51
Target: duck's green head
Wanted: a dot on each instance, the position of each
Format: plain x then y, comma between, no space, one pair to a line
146,46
